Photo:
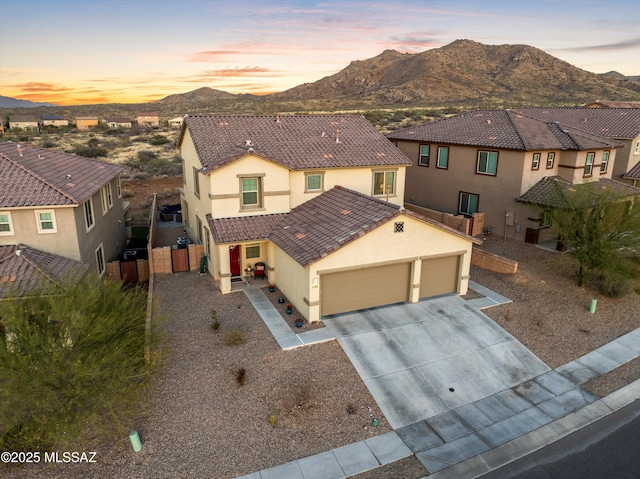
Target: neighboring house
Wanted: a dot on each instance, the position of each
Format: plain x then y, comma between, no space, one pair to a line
26,122
265,189
1,124
481,161
148,119
176,122
613,104
119,122
619,124
633,175
54,120
25,270
86,122
61,204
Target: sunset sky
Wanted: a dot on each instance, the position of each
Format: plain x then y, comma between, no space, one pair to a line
131,51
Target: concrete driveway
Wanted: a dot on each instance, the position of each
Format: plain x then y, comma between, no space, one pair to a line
422,359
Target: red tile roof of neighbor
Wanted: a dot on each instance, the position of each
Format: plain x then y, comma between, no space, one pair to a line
633,173
297,142
503,129
552,190
608,122
24,270
319,226
40,177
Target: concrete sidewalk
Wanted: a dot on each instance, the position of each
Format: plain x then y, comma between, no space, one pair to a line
486,422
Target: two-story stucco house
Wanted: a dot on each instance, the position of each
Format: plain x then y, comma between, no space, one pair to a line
621,124
487,160
86,122
318,200
62,204
148,118
26,122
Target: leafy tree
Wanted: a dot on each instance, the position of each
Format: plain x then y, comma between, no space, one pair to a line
69,360
600,229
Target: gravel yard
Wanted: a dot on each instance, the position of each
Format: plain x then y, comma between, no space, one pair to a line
201,422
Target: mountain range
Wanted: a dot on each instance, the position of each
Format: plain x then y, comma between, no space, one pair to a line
463,74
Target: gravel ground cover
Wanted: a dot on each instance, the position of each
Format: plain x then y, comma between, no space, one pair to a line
201,422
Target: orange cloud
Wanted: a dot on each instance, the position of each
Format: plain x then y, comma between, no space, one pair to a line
39,87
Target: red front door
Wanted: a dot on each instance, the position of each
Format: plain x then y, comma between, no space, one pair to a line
234,260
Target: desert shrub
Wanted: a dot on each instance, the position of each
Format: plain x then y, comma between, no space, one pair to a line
234,337
157,140
89,151
241,375
48,143
161,166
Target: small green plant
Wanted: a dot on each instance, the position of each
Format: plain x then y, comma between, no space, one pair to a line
240,376
234,337
273,420
215,325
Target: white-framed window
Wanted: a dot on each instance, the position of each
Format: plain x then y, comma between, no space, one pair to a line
313,182
468,203
423,160
119,187
106,197
46,221
89,219
384,183
487,163
443,158
545,219
252,251
207,243
196,181
551,157
6,224
101,265
198,230
637,150
535,162
605,161
251,192
588,164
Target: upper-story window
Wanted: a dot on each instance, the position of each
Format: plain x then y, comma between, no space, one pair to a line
251,192
551,157
535,162
106,196
605,161
89,219
313,182
487,162
196,182
6,225
588,164
637,150
46,221
424,155
443,157
384,183
119,187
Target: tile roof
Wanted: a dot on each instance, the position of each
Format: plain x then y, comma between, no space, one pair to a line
503,129
329,221
31,269
23,118
617,104
608,122
552,191
297,142
633,173
243,228
40,177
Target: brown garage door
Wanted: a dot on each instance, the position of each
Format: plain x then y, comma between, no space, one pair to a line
364,288
439,276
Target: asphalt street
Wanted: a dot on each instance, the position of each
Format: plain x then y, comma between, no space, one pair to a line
606,449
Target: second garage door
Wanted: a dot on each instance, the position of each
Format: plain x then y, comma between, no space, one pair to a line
439,276
364,288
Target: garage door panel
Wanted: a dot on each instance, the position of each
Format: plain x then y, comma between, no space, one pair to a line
364,288
439,276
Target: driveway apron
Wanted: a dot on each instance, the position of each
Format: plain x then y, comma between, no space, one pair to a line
423,359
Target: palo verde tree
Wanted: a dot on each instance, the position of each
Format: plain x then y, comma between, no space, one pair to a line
69,361
601,229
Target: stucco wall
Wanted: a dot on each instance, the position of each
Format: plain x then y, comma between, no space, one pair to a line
64,242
